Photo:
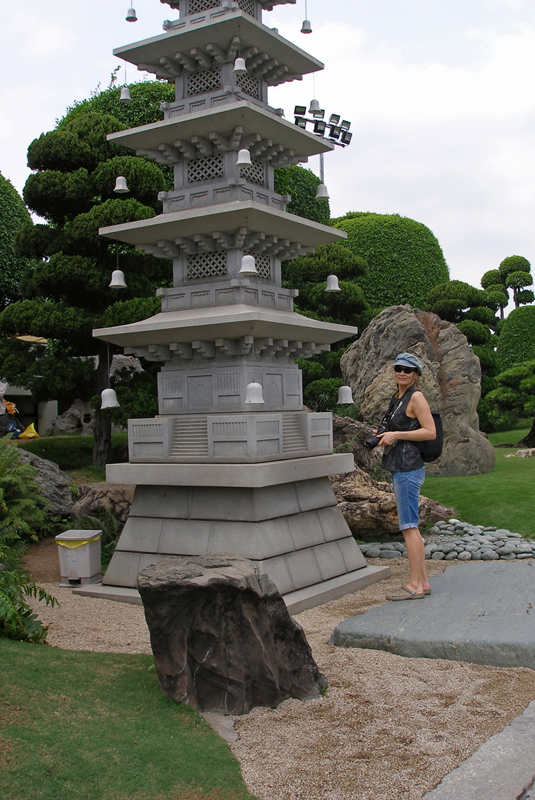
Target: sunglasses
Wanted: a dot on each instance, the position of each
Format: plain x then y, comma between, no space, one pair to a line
406,370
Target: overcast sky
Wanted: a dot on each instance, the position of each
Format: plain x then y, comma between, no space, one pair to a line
439,92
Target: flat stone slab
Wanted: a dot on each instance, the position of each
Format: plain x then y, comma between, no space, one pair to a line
483,613
501,769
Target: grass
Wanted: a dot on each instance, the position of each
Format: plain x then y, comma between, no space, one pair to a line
95,726
504,497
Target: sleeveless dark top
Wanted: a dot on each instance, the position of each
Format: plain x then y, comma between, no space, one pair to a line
403,456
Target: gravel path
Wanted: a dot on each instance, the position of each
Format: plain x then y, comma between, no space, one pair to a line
389,728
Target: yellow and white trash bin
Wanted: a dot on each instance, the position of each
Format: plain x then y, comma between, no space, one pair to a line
79,557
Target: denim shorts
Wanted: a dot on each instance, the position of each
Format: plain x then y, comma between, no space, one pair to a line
407,487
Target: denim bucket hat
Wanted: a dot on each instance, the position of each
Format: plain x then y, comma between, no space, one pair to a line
409,360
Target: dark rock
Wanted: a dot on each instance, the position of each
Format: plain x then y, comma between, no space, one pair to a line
222,637
54,484
349,436
92,497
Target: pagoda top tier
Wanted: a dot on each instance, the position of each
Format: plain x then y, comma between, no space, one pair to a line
215,38
192,6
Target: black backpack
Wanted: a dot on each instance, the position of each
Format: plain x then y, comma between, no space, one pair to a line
432,448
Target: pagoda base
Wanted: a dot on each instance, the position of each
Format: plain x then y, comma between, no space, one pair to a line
283,516
298,601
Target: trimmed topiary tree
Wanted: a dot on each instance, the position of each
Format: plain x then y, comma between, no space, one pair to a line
516,342
404,258
302,184
13,215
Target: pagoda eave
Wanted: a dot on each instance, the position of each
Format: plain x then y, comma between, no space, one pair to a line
228,218
191,33
224,322
252,118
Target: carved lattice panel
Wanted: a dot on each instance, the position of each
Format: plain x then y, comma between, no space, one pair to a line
263,265
205,80
247,6
249,84
205,168
207,265
195,6
256,173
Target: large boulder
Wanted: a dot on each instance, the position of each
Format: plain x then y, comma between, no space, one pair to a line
55,485
79,418
222,637
451,381
93,497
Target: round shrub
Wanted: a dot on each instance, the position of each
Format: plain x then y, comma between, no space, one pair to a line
301,184
404,258
516,342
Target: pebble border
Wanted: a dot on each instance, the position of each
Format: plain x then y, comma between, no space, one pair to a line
453,539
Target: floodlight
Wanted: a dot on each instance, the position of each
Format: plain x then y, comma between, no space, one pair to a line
300,122
300,111
346,137
334,119
319,127
319,114
335,131
345,124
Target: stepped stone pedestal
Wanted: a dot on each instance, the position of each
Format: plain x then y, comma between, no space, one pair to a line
217,473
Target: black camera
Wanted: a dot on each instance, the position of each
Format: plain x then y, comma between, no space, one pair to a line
373,441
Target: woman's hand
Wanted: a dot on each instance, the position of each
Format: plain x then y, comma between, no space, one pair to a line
387,438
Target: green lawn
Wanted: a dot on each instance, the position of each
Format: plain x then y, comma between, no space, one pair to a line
504,497
95,726
74,454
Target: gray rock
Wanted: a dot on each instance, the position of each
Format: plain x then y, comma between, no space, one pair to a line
489,555
54,484
437,555
387,546
507,557
464,556
524,555
390,554
476,555
452,556
373,552
222,637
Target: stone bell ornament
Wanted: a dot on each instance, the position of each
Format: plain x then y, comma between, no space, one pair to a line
125,95
239,66
322,192
121,186
117,280
345,396
248,266
332,284
244,158
131,15
108,399
254,394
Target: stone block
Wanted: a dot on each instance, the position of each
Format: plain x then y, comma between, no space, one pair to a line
333,524
160,501
278,570
123,569
185,537
304,568
314,494
306,530
330,560
142,533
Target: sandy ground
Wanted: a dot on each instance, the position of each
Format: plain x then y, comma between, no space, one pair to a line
388,728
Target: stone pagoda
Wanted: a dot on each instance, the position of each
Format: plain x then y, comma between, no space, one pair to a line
232,464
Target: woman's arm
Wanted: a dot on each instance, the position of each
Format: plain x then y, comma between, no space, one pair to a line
420,407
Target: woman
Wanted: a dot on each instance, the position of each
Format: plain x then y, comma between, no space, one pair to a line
410,420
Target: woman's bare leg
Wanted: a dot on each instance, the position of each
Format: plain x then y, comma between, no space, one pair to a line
416,555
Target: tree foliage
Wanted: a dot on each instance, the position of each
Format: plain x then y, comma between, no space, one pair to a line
302,184
514,397
516,342
404,258
67,294
13,216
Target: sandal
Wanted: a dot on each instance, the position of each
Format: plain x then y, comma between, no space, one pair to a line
405,593
427,591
